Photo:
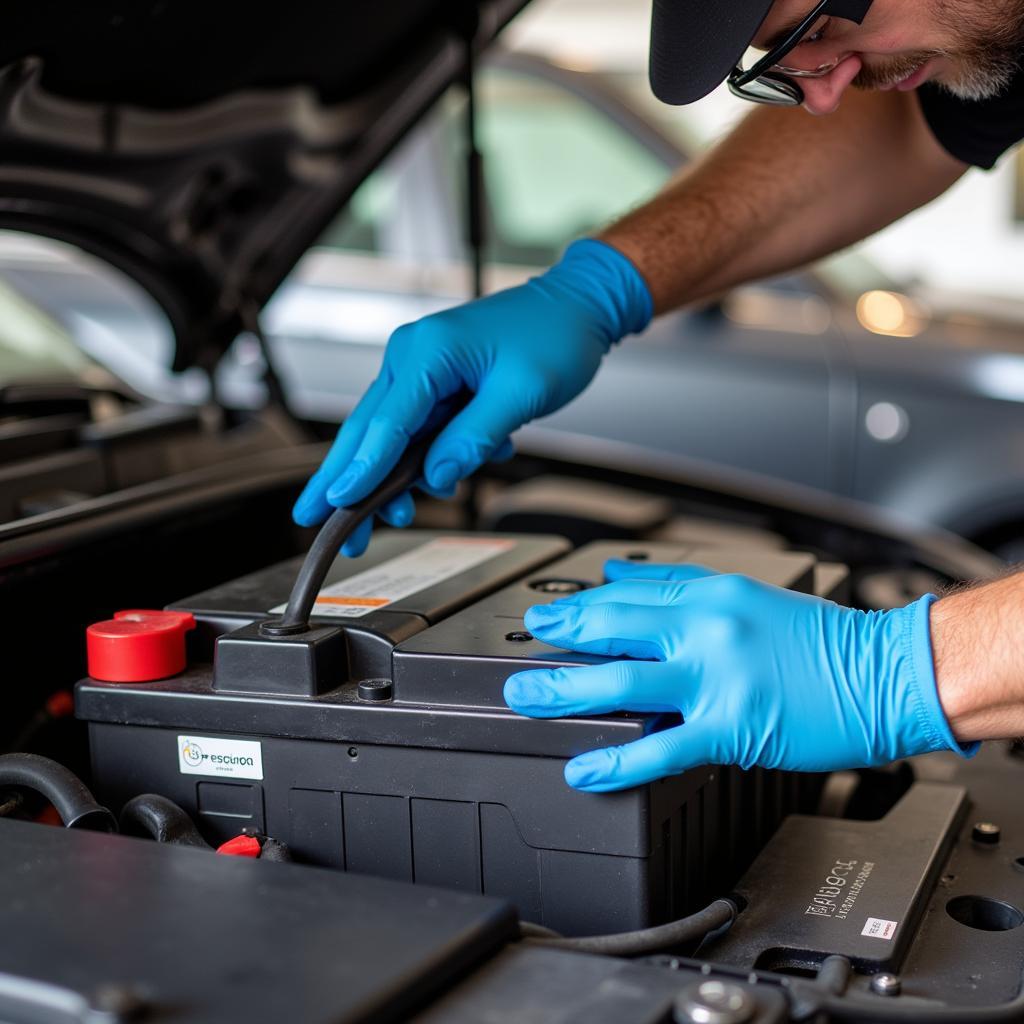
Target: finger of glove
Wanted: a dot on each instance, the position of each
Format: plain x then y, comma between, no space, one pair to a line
474,435
359,540
312,506
626,569
662,753
612,630
643,592
591,690
399,511
400,415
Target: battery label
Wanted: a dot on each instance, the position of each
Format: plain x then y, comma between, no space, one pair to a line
423,567
877,928
208,755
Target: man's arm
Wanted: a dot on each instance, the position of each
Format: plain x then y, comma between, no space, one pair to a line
978,648
782,189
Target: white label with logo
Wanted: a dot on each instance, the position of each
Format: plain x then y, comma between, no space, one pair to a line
423,567
876,928
232,759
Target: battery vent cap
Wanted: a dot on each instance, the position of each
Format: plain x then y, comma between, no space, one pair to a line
138,646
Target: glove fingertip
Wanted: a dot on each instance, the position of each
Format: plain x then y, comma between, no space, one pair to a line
444,475
541,617
304,514
311,507
531,693
357,544
588,769
399,512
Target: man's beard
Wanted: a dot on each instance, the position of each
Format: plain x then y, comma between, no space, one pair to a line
988,52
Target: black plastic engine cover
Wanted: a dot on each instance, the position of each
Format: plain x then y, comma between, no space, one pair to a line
108,928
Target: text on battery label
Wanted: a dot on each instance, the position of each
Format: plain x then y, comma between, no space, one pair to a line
876,928
423,567
208,755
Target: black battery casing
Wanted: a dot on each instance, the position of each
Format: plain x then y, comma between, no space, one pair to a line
442,784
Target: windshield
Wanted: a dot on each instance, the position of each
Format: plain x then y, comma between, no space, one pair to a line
69,314
34,346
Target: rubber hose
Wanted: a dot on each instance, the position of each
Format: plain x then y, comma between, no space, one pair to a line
161,819
68,794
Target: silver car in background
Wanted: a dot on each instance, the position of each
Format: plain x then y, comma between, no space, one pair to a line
834,378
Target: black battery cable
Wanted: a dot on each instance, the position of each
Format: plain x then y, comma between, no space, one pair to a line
68,794
826,998
154,816
342,524
161,819
694,928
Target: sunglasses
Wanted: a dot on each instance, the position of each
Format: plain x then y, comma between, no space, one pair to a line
772,82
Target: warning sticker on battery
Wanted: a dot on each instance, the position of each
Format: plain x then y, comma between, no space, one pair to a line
423,567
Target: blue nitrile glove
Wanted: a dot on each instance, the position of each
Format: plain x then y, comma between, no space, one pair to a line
761,675
522,353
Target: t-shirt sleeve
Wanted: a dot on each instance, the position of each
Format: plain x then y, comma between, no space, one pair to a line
977,132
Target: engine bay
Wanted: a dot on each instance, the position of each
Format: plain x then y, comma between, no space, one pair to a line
378,743
376,755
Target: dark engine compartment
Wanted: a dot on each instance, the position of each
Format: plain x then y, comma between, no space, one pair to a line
864,895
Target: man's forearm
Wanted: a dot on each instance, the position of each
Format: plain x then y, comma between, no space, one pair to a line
979,659
784,188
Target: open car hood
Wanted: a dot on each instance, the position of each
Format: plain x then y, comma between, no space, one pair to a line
202,148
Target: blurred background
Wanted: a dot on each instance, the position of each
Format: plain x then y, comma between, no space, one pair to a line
970,241
891,374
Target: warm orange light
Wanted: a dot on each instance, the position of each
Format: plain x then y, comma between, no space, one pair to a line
889,313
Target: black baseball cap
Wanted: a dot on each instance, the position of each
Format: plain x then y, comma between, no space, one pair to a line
696,43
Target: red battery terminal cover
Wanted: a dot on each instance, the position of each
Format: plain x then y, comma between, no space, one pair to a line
138,646
241,846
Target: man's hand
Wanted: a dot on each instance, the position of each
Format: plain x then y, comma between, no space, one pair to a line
521,353
761,676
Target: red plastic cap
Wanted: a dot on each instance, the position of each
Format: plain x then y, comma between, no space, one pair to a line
241,846
138,646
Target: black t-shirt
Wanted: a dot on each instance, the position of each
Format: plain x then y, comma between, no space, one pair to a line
976,131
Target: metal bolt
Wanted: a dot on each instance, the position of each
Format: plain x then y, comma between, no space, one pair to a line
886,985
986,832
714,1002
375,690
519,636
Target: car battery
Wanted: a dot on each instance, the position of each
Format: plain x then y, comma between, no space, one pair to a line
401,759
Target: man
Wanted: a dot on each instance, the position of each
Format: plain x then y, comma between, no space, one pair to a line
761,675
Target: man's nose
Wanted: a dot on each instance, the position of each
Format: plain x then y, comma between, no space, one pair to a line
822,95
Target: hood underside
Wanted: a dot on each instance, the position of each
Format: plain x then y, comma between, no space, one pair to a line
202,148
